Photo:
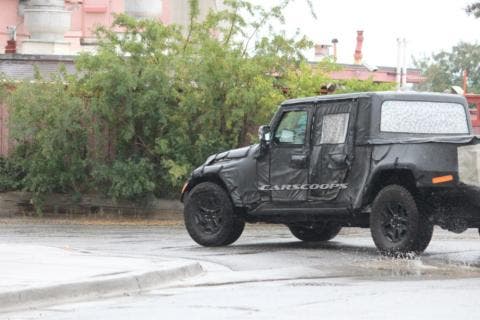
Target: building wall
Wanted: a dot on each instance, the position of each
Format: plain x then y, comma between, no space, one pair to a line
380,74
86,15
10,15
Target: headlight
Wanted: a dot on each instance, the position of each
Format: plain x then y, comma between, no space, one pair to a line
210,159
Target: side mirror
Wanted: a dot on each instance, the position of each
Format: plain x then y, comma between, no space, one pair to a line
264,134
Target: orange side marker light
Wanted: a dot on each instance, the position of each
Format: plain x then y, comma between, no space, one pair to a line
442,179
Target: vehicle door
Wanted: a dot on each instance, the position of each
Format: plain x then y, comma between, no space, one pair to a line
289,154
332,149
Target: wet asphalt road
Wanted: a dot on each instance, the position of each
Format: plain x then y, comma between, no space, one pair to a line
267,270
260,247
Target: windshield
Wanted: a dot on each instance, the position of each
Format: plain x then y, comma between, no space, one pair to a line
423,117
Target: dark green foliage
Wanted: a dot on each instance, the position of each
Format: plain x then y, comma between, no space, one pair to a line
126,179
354,85
11,174
48,124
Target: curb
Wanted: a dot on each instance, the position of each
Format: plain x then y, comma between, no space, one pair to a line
115,285
19,202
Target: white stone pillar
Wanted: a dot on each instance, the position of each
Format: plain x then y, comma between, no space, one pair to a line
144,9
46,21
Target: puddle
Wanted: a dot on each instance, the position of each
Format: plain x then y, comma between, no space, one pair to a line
415,268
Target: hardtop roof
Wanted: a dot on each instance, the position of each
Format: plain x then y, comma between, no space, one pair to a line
383,95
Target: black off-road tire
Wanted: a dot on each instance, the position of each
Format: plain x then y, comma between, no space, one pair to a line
210,217
319,232
399,224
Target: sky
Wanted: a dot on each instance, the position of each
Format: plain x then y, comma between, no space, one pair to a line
428,26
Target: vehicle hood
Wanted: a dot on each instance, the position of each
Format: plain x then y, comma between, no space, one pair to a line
233,154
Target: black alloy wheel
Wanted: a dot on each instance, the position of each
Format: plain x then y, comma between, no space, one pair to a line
395,221
399,223
209,216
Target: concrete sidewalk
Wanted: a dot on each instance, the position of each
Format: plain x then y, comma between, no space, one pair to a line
33,276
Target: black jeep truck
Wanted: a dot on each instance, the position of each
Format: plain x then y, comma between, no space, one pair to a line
398,163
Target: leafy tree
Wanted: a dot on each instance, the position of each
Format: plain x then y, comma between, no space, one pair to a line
355,85
48,124
474,9
445,69
11,173
3,90
170,97
306,80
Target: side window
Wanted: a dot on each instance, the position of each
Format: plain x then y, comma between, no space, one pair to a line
292,128
334,128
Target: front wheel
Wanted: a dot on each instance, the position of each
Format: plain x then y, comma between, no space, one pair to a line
397,225
318,232
209,216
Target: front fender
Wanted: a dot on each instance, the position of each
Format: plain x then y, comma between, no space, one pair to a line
237,176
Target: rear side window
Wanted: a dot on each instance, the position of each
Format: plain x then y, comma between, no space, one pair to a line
423,117
334,128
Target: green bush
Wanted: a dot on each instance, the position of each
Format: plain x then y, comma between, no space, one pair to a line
11,175
49,126
129,179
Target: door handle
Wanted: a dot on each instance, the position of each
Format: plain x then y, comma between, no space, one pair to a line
298,161
338,161
338,158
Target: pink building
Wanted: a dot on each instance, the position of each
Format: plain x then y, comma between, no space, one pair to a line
379,74
66,26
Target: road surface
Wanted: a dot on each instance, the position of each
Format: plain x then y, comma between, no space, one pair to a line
268,273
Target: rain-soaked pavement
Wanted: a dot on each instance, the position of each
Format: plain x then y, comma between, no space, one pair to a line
268,273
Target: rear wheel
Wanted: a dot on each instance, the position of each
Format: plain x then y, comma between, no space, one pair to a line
317,232
398,224
209,216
